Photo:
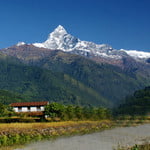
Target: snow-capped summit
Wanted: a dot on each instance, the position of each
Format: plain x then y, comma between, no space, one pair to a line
59,39
60,29
137,54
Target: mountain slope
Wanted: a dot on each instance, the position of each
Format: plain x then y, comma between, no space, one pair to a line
111,82
7,97
36,84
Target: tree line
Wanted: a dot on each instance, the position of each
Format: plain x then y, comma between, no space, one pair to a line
72,112
56,111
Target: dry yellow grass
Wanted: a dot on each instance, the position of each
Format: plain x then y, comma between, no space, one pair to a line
45,125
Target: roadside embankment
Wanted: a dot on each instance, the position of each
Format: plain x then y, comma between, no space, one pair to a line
21,133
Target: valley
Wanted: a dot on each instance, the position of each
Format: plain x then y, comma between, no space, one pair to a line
74,75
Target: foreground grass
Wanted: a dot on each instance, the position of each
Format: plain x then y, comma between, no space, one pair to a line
21,133
145,146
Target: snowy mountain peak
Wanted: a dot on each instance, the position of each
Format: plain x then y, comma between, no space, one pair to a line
60,29
59,39
58,32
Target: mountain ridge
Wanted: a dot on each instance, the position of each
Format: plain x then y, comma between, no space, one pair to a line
59,39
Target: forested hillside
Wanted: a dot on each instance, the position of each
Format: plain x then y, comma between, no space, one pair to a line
111,82
37,84
7,97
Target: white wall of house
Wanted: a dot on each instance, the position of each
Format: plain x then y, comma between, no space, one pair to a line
29,109
16,109
42,108
24,109
33,108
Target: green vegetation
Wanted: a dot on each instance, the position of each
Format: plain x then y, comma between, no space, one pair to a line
112,83
5,110
136,105
7,97
74,85
70,112
55,112
66,78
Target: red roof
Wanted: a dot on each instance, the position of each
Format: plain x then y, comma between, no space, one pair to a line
29,104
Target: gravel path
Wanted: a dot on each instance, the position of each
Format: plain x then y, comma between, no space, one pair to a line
106,140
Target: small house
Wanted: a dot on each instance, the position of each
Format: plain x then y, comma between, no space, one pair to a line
29,106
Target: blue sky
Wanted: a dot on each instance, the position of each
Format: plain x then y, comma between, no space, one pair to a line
119,23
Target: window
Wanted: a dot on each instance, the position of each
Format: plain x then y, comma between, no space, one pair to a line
38,108
28,108
19,109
